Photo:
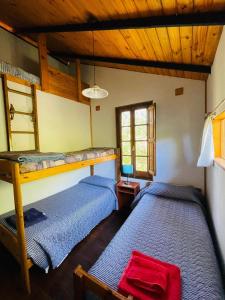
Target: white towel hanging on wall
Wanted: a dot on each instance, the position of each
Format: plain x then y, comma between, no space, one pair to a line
206,156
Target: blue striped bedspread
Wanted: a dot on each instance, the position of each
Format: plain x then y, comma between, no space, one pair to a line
71,215
172,230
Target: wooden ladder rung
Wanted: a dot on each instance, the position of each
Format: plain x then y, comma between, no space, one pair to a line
22,113
20,93
22,132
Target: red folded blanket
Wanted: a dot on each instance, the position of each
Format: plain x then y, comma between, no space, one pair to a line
147,275
147,278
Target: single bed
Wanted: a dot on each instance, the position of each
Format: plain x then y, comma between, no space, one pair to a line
168,223
71,215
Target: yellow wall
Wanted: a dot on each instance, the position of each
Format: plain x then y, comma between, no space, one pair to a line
64,126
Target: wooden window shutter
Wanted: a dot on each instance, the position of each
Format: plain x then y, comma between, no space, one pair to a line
152,139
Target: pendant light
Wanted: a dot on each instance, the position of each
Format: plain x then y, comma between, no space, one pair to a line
95,92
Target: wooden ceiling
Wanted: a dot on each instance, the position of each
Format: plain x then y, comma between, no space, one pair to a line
189,45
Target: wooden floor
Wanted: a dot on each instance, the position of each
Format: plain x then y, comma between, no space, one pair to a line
58,284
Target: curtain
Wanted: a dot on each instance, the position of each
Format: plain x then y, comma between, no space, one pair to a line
206,156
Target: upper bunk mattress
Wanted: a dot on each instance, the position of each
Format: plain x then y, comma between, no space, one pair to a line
34,161
172,230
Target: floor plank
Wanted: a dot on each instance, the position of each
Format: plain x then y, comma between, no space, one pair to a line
58,284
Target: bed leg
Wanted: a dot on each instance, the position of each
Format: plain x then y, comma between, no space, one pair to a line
92,170
79,292
20,227
117,165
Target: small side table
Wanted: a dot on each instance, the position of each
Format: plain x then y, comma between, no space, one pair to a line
126,193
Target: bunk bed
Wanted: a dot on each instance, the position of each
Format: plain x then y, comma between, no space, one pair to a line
18,169
168,222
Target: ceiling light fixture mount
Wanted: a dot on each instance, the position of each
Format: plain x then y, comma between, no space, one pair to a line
95,92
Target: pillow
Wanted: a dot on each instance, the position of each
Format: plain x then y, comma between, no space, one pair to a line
168,190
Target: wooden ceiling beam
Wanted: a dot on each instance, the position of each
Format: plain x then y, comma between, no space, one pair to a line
137,62
196,19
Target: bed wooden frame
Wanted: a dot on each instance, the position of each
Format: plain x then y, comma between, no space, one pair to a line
84,282
10,172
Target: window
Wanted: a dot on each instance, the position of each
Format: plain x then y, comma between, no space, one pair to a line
219,137
136,137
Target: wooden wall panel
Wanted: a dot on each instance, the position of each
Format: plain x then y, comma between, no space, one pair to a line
64,85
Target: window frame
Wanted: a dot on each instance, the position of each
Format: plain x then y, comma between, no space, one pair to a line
132,107
219,139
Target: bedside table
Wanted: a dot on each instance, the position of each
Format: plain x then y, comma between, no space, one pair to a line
126,193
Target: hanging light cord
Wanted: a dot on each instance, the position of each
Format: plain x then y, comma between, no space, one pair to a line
93,36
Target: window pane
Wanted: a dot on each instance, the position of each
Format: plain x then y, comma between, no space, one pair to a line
126,148
125,117
141,148
126,160
125,133
141,132
141,164
141,116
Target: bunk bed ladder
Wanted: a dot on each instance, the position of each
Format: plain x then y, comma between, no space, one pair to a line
10,112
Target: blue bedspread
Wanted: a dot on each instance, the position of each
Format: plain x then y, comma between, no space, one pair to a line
171,230
71,215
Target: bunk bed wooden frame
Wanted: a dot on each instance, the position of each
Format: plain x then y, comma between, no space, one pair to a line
84,282
10,172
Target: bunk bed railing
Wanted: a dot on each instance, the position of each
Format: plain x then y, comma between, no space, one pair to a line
31,176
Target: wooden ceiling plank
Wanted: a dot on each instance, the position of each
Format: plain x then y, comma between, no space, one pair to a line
199,35
203,5
212,39
154,40
150,51
139,49
155,8
168,51
142,7
199,43
164,41
107,39
184,7
134,42
169,8
213,33
186,45
131,8
175,43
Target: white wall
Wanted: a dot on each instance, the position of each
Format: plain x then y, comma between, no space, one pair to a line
23,55
64,126
215,174
179,119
